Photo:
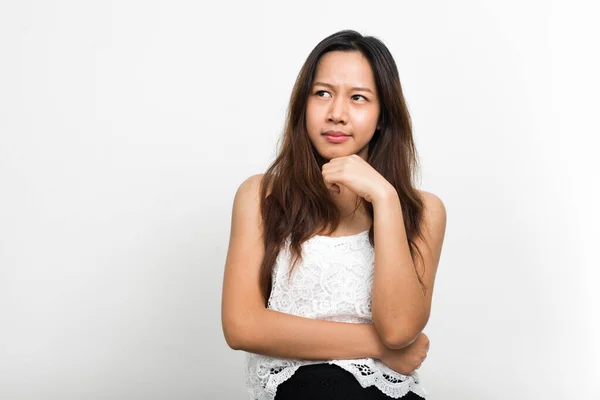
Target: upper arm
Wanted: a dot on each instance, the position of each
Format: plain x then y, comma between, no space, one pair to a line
434,229
241,291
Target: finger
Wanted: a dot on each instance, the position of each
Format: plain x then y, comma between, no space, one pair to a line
332,168
334,188
334,174
332,180
329,164
336,160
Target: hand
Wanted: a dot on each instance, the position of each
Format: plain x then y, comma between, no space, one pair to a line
354,173
407,359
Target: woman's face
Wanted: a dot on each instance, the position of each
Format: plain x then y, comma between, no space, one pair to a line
343,98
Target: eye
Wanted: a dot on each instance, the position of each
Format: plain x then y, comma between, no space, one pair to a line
323,91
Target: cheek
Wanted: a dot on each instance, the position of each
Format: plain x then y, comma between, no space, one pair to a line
312,118
365,120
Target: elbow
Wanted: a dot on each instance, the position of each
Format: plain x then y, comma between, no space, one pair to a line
233,341
399,340
231,338
234,334
396,339
242,329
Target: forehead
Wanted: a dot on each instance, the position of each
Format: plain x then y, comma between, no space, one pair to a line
343,68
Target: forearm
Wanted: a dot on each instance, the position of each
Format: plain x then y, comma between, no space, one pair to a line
278,334
398,302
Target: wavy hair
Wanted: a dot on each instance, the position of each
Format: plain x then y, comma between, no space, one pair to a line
294,201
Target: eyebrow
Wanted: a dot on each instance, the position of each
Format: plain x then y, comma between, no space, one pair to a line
354,88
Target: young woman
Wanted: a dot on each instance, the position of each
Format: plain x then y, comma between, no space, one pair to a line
333,253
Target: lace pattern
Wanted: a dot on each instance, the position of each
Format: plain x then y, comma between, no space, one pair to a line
333,282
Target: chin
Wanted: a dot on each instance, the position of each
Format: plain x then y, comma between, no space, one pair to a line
335,153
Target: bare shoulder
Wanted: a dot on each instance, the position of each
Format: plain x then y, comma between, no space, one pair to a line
434,214
241,290
250,185
433,230
434,206
246,207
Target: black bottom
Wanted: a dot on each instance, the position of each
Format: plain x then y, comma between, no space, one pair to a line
329,382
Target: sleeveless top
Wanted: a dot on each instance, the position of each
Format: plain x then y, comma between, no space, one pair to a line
332,282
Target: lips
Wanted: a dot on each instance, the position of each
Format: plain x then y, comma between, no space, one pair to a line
336,133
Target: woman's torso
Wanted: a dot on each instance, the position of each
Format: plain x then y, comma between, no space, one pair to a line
332,282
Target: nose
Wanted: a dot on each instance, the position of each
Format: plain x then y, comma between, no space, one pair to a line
337,111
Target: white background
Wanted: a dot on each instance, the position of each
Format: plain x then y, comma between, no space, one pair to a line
126,127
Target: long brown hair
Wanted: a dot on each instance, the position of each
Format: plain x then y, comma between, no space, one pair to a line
299,204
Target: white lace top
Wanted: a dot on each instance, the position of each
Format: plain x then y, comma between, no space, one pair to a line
333,282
